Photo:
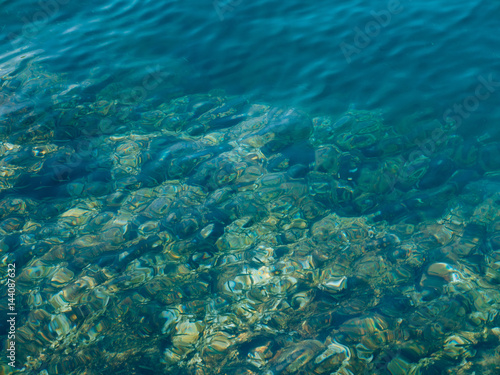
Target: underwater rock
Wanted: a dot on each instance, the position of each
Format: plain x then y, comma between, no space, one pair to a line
203,234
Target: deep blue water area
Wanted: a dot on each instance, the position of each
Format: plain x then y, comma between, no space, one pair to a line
401,56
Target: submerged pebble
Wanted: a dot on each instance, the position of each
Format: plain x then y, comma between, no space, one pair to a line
207,235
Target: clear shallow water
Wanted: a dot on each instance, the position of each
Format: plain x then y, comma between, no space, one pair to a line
158,232
418,55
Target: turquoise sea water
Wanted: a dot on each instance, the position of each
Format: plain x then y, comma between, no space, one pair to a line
418,55
236,187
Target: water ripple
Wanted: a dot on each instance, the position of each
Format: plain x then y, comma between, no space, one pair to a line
287,53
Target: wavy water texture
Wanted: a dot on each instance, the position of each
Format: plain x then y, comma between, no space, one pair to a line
289,53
